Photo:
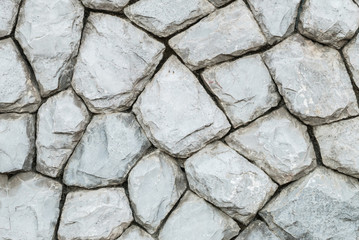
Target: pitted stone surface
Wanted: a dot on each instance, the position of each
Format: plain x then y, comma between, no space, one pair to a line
107,5
8,13
351,55
135,233
257,230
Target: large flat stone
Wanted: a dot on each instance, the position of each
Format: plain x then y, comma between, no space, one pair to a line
351,55
107,5
135,233
8,13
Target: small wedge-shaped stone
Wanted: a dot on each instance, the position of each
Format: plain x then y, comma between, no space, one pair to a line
330,22
135,233
50,32
223,177
195,219
278,143
257,230
165,17
115,62
109,148
95,214
321,205
17,91
219,3
8,13
17,142
351,55
225,33
176,113
29,206
244,88
107,5
312,80
155,184
61,121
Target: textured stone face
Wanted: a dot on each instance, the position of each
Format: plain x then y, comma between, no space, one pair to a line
108,5
17,142
244,88
60,123
165,17
226,179
227,32
95,214
29,206
176,113
219,3
8,12
195,219
312,80
49,33
115,62
351,55
135,233
257,230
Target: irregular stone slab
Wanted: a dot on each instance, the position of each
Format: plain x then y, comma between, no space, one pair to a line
165,17
107,5
244,88
17,142
176,113
109,148
223,177
49,32
219,3
257,230
29,206
155,184
275,17
115,62
278,143
351,55
60,124
195,219
135,233
228,32
321,205
8,13
312,80
95,214
17,90
329,21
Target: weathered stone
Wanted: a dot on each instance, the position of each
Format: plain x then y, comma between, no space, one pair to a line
49,33
351,55
275,17
29,206
278,143
257,230
244,88
8,13
109,148
176,113
195,219
17,142
330,22
135,233
107,5
115,62
312,80
60,123
95,214
219,3
227,32
223,177
155,184
321,205
17,91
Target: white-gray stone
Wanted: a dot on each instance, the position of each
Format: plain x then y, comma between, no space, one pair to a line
312,80
244,88
195,219
223,177
29,206
228,32
351,55
61,121
257,230
49,33
107,5
8,13
135,233
115,62
95,214
176,113
155,184
109,148
219,3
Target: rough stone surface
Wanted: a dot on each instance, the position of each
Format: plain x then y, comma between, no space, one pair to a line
107,5
312,80
227,32
8,13
244,88
176,113
226,179
17,142
165,17
195,219
29,206
109,148
351,55
219,3
321,205
115,62
61,121
278,143
49,33
257,230
95,214
135,233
